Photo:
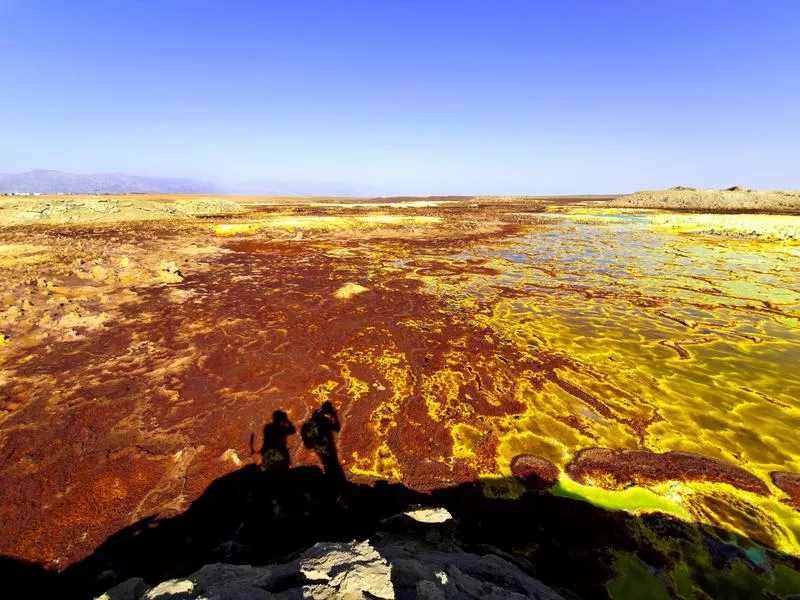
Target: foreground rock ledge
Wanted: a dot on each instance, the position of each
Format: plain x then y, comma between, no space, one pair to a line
417,558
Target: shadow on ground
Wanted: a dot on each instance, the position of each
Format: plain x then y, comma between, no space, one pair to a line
259,514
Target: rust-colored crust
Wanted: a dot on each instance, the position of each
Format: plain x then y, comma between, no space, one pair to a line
616,469
789,483
535,472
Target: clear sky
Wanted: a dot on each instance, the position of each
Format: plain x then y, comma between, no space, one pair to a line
433,96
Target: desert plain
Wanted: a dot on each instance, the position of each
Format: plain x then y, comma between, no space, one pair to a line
635,354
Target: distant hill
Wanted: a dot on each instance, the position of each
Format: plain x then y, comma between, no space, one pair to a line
54,182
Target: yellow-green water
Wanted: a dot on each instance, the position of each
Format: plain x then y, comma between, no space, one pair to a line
697,338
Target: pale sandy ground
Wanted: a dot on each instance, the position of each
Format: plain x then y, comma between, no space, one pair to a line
60,210
68,262
734,212
774,227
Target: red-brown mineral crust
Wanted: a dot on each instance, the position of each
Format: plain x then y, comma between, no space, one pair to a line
789,483
616,469
535,473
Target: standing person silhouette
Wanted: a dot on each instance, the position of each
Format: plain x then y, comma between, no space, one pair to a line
274,451
317,434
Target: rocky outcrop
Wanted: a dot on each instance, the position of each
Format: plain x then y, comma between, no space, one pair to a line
416,557
697,199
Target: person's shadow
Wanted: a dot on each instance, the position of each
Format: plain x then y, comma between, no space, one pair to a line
274,449
263,514
318,435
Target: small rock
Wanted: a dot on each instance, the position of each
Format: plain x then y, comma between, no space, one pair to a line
429,515
173,589
233,456
169,272
130,589
351,570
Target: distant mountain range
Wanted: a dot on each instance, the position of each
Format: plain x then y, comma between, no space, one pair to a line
54,182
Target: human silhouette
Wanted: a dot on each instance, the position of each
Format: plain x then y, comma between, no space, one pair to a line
317,434
274,450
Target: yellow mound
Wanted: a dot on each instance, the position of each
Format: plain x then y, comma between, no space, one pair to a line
348,290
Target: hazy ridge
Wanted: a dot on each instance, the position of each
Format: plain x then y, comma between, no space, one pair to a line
53,182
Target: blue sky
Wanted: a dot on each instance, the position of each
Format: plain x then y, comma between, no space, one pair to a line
429,97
